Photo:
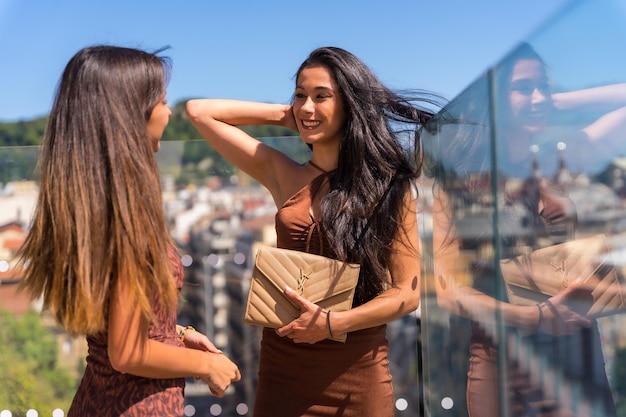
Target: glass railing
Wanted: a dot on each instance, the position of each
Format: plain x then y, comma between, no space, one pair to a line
524,229
216,215
522,226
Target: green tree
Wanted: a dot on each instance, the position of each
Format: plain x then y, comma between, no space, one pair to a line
196,158
23,132
28,365
18,163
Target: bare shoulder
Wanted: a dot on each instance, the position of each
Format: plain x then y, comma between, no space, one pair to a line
293,177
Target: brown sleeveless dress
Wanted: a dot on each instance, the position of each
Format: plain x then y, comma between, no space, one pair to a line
105,392
327,378
576,360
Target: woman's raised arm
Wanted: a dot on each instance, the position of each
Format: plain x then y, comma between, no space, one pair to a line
217,121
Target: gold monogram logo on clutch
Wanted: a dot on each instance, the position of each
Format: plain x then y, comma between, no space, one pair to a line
561,270
304,276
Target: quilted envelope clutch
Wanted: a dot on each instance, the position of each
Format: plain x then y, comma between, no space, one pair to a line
324,281
534,277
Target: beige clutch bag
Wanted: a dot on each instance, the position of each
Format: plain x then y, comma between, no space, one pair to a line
324,281
534,277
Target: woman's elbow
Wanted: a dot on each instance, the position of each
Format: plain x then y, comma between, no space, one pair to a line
411,290
413,302
409,300
192,109
123,362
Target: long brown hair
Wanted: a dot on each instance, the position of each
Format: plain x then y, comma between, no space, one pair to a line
380,149
99,217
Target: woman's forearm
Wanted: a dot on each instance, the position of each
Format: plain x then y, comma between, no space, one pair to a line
404,266
465,301
390,305
131,351
603,98
160,360
237,112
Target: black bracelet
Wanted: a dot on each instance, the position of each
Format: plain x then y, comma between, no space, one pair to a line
540,317
330,329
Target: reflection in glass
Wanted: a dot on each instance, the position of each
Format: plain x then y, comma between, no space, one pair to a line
524,165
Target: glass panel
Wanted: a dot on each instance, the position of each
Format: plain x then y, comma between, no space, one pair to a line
524,231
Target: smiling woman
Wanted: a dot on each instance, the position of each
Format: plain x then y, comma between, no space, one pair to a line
359,178
318,109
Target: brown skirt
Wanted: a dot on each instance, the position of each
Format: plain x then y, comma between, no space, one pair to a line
568,378
326,378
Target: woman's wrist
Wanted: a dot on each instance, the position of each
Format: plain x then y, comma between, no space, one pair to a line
540,317
530,319
337,323
329,324
285,116
182,331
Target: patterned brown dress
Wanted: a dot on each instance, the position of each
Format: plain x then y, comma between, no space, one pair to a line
105,392
327,378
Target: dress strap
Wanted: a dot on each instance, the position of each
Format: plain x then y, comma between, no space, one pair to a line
314,165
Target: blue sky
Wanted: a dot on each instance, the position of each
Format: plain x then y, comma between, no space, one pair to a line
250,49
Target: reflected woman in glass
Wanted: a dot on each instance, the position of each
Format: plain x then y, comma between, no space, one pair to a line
553,359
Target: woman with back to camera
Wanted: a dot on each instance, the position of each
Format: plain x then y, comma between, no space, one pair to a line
99,252
567,341
345,115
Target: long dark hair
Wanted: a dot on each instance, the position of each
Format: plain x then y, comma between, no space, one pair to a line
376,152
99,217
461,159
468,120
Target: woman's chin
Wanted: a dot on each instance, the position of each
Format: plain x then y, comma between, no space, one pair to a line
307,139
534,128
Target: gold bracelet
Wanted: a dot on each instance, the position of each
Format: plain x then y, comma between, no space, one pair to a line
181,334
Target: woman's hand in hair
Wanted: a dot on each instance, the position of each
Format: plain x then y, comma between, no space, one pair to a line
289,120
